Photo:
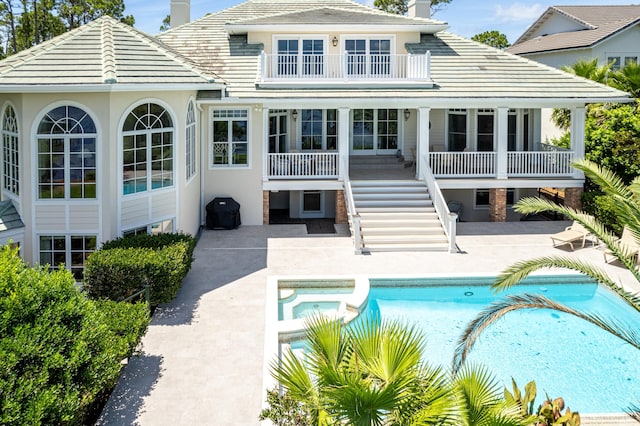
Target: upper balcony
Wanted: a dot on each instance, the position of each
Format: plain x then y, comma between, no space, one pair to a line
384,70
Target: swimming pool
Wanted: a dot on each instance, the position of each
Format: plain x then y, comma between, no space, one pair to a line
593,371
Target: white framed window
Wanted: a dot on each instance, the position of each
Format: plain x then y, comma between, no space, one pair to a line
10,151
300,56
312,204
485,130
630,60
368,55
318,129
375,129
481,198
66,139
614,61
190,139
230,138
147,149
456,130
278,131
70,250
162,227
512,130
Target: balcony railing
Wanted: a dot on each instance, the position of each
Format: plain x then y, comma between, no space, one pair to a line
346,67
519,164
303,165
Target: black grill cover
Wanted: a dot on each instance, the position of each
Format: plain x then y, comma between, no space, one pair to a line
223,213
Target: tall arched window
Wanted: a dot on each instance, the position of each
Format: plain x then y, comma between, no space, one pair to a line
66,154
191,141
10,151
147,141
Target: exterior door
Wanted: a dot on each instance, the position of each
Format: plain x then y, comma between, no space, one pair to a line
375,132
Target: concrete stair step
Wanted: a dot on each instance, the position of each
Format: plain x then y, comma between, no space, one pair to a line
400,239
393,223
389,210
406,231
386,184
397,204
409,196
425,246
414,189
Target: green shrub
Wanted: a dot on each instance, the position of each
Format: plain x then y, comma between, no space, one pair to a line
156,241
59,351
602,207
117,273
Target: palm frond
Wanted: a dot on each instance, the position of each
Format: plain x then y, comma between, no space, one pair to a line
512,303
520,270
607,180
634,412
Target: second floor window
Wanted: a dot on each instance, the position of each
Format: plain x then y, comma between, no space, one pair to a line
319,129
10,151
66,154
368,56
300,57
147,149
230,145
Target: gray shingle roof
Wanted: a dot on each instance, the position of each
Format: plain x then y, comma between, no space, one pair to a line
102,52
9,217
599,22
460,67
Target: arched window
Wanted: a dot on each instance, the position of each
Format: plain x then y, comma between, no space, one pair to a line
191,141
10,151
147,140
66,154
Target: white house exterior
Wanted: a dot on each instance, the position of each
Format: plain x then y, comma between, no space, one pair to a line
107,130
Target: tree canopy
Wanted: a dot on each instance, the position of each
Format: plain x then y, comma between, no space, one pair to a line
492,38
24,24
399,7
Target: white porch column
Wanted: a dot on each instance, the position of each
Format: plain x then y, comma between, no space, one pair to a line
343,142
422,145
502,139
265,144
578,117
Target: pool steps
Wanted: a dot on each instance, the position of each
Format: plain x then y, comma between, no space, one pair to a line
351,304
397,215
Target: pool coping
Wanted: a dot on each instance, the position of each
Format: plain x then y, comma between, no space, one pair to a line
272,340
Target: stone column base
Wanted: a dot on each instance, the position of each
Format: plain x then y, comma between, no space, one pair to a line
265,207
573,198
341,208
498,205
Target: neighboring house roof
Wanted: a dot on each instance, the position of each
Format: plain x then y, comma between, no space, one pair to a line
598,23
9,216
460,68
104,52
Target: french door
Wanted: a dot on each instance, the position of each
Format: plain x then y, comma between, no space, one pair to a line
375,131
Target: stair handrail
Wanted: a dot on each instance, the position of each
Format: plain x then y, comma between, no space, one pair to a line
447,219
353,215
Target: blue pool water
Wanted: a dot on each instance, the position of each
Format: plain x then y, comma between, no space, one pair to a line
593,371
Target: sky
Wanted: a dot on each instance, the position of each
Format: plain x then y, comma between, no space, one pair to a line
465,17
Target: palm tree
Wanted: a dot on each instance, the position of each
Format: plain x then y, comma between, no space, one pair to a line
627,79
627,202
372,373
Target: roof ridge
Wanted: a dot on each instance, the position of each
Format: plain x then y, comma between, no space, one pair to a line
161,47
575,18
40,49
109,71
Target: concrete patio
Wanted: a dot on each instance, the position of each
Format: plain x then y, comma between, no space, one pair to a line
203,355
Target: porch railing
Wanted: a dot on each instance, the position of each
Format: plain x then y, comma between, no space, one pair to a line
540,163
519,164
345,67
447,219
463,164
303,165
354,217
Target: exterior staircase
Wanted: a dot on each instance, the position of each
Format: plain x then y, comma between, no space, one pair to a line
397,215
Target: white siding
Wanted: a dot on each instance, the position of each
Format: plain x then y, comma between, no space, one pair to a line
163,205
135,212
84,217
50,218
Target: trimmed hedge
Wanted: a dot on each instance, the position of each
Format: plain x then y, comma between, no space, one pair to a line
124,266
60,353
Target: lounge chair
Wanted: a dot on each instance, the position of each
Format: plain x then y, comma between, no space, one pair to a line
627,243
570,235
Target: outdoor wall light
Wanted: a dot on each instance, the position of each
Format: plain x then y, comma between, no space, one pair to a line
294,114
407,114
334,41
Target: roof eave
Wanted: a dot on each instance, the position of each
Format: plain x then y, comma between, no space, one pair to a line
237,29
107,88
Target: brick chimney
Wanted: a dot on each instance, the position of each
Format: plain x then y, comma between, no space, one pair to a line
180,12
419,9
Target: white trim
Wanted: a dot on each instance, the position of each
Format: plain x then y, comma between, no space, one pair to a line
5,192
457,183
427,28
312,213
228,166
194,160
101,88
120,157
